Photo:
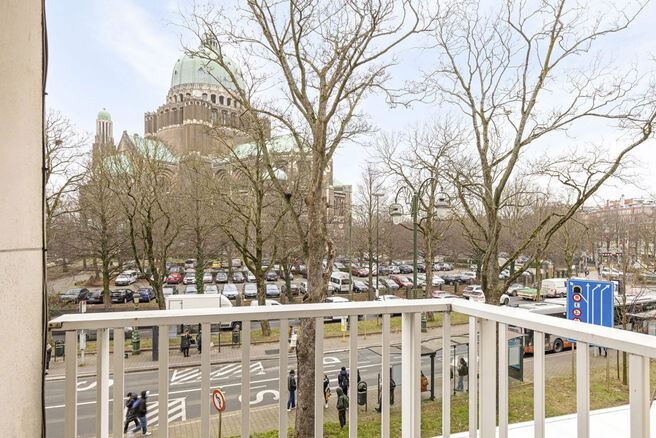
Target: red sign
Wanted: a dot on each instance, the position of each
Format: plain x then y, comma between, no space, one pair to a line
219,400
576,319
576,312
577,297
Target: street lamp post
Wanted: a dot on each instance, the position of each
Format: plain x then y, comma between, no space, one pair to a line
396,211
377,195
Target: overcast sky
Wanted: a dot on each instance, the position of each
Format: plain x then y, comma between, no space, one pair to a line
119,55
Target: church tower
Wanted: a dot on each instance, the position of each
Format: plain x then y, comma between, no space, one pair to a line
104,141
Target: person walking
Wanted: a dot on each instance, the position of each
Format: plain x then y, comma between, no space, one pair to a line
140,410
198,339
130,416
48,356
291,386
463,370
185,341
343,380
326,388
342,406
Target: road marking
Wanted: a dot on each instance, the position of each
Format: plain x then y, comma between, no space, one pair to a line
193,375
177,411
259,398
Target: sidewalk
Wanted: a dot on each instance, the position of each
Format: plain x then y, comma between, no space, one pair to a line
228,354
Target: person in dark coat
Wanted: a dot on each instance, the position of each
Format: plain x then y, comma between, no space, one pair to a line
198,339
291,386
130,416
185,341
343,380
140,410
326,388
341,407
463,371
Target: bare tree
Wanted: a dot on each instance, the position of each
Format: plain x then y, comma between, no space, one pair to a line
370,190
518,76
144,184
101,221
416,159
325,57
64,169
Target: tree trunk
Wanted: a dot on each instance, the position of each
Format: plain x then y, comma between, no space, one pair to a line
261,299
107,299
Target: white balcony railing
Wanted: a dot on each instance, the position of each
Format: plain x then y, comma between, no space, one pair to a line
484,320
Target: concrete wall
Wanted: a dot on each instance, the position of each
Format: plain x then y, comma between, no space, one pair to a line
20,218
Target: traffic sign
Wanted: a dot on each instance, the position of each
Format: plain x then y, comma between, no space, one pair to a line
591,302
219,400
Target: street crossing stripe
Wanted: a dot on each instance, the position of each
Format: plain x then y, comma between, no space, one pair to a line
176,410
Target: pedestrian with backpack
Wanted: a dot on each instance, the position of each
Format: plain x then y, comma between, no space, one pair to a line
129,415
463,370
343,380
326,388
291,386
140,410
342,406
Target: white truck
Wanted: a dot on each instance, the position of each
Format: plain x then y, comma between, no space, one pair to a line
201,301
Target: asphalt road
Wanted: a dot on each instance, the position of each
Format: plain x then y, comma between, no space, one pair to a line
184,388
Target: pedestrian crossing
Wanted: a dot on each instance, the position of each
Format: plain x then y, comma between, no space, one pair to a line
193,375
177,411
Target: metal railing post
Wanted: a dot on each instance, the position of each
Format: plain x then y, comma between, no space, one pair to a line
163,379
70,408
119,378
102,383
639,395
582,390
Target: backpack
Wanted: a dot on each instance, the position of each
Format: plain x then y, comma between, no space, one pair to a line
346,401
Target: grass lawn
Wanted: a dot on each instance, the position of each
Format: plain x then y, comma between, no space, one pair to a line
560,400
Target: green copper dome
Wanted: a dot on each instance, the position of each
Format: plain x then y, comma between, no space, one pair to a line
104,115
193,70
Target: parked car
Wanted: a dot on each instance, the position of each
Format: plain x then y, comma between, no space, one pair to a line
389,284
421,267
221,277
514,288
250,290
401,280
237,277
121,295
473,293
394,270
125,278
74,295
169,290
436,280
254,303
272,291
174,278
146,294
190,263
190,289
95,296
189,278
442,294
250,277
295,289
230,291
333,288
271,276
207,277
388,297
175,270
359,286
211,289
406,269
359,271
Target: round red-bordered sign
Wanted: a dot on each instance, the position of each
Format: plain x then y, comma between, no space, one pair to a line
576,312
577,297
577,319
219,400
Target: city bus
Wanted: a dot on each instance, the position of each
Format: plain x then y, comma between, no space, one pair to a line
553,343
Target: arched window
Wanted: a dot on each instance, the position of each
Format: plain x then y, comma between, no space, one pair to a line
174,116
181,116
180,97
229,101
213,98
175,99
204,96
215,116
221,100
224,117
188,95
234,120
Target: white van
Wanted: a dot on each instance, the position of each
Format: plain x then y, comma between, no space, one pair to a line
201,301
341,279
554,287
